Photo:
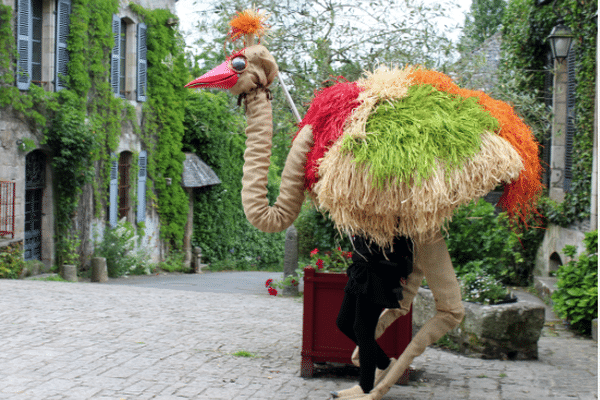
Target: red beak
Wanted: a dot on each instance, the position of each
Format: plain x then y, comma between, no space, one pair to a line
221,77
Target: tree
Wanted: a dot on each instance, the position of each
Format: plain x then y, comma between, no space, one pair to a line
481,22
313,40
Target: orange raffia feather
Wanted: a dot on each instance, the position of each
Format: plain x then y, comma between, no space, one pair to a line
248,22
520,196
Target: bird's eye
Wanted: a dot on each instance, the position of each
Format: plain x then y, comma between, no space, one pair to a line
238,64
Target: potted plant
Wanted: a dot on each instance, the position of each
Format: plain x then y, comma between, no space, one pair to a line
324,283
70,258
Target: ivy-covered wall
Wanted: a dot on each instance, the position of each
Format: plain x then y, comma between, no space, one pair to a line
80,126
526,28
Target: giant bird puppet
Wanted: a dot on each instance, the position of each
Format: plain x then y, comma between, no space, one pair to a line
394,153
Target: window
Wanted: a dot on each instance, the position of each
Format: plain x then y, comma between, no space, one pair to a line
571,120
128,65
122,59
124,184
37,63
7,209
36,42
120,204
141,208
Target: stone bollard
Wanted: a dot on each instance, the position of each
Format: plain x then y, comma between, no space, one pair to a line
290,259
69,272
99,271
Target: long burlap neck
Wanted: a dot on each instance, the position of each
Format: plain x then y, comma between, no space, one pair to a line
257,159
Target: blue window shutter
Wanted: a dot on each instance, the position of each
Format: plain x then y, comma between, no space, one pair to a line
115,55
141,197
62,34
114,191
142,62
24,35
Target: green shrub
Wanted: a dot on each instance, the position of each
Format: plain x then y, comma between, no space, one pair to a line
477,287
119,248
477,233
316,231
11,261
173,262
576,298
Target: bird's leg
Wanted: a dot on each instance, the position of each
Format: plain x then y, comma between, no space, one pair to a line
433,260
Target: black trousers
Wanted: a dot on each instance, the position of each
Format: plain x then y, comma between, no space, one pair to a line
357,319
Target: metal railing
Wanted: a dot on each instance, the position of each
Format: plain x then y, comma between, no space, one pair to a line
7,209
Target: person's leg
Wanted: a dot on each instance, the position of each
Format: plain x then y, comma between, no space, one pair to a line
371,356
357,319
434,260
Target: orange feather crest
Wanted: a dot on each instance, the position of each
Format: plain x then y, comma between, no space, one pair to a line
247,24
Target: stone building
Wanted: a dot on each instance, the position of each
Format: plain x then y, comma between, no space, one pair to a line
27,210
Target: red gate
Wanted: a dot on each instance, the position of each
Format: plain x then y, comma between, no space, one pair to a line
7,209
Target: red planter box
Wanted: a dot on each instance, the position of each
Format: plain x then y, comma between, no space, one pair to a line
322,341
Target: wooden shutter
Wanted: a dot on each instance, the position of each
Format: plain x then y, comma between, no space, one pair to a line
142,63
114,190
141,195
571,120
62,34
115,55
24,34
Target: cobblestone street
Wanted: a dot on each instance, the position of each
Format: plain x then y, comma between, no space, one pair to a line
97,341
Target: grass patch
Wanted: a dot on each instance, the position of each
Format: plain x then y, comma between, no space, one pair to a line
244,353
51,278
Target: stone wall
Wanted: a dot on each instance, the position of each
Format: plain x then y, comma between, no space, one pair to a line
550,256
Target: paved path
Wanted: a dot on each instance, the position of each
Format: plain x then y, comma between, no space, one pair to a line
97,341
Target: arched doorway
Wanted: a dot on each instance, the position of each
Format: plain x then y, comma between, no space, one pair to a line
35,172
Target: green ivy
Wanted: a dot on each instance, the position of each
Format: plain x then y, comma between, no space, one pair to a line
525,31
221,230
163,127
576,298
11,261
82,124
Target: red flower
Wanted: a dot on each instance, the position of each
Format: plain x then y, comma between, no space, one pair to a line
268,282
348,254
314,252
294,282
272,291
320,263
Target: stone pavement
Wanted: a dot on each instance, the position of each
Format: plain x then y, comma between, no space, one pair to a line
78,341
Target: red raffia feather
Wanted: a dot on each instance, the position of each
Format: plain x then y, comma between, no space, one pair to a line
327,115
520,197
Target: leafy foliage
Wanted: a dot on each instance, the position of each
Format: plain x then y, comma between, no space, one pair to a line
481,22
526,26
316,230
481,240
477,287
119,248
220,226
163,126
576,298
74,145
11,261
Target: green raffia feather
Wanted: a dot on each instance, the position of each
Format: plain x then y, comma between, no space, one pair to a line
406,136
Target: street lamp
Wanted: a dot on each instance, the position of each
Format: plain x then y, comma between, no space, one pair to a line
560,39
